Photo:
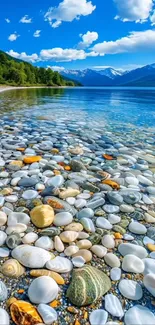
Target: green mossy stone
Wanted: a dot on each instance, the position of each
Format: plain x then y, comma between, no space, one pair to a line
88,284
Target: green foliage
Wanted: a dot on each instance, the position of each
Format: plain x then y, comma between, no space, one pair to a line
16,72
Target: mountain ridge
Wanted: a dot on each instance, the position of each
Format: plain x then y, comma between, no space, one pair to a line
113,77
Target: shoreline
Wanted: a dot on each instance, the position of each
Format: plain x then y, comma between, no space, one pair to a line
5,88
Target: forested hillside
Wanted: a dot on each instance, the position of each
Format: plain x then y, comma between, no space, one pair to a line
15,72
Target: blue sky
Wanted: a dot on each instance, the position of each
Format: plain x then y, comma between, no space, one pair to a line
78,34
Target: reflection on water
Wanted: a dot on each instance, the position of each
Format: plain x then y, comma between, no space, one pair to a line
118,108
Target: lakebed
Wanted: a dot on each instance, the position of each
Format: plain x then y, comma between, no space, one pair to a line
77,197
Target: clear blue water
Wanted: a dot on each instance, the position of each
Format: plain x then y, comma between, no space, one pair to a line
113,107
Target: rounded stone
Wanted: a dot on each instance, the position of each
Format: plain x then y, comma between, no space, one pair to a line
149,283
130,289
108,241
133,264
99,250
86,213
42,216
3,218
30,238
132,249
113,306
112,260
68,236
3,237
98,317
43,290
139,315
137,228
109,208
59,264
30,256
48,314
3,291
4,317
62,219
115,274
101,222
45,242
29,195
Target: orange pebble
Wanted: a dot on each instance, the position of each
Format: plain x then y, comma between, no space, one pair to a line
56,172
67,168
55,303
21,291
108,157
31,159
20,149
118,235
77,322
85,316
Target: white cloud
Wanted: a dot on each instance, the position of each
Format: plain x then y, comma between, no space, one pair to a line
61,55
8,20
56,68
13,37
23,56
133,10
68,10
37,33
152,18
88,39
135,41
26,20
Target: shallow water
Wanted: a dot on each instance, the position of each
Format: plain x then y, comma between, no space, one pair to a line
114,106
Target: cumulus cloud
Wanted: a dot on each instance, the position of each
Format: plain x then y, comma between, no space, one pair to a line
23,56
135,41
133,10
13,37
8,20
88,39
56,68
26,20
37,33
152,18
68,10
61,55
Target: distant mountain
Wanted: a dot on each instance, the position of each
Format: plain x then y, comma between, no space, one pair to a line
111,72
133,76
87,77
141,77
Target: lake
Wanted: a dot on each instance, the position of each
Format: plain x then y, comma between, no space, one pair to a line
110,105
77,179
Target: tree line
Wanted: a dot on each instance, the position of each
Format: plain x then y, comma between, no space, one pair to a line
19,73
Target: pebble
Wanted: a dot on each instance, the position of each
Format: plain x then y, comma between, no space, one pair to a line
59,264
115,274
113,218
43,290
68,236
113,306
62,219
78,261
4,317
149,264
132,249
112,260
29,195
3,291
48,314
139,315
130,289
133,264
111,208
44,242
98,317
86,213
30,238
99,250
149,283
108,241
3,237
42,216
32,257
137,228
88,225
3,218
